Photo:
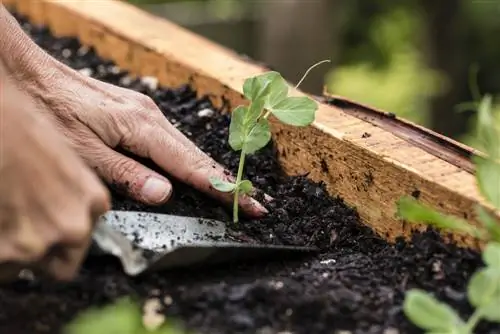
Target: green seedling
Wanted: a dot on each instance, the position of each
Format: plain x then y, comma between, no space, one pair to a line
483,290
122,317
249,129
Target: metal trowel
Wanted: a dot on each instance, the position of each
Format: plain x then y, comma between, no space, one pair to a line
146,242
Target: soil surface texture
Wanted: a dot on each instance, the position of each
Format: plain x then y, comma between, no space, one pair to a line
355,285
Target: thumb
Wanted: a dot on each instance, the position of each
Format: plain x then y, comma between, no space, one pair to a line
129,176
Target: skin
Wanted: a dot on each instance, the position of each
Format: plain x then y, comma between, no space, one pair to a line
70,126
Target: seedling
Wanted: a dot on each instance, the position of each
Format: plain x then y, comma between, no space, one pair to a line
483,290
249,129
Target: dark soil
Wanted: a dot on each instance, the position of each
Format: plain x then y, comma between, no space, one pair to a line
356,284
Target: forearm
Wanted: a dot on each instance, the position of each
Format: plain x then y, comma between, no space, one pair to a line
20,57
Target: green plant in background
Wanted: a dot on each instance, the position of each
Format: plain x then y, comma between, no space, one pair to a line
122,317
483,290
385,84
249,129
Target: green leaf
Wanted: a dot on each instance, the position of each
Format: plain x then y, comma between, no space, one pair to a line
482,287
492,312
297,111
278,89
413,211
490,223
487,134
258,137
237,128
488,179
123,317
221,185
428,313
256,88
270,86
246,187
491,255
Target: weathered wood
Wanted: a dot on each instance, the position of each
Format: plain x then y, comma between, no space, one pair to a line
363,162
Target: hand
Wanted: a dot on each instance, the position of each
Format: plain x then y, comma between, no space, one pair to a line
49,200
98,117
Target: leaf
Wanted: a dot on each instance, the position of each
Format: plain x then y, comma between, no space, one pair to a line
491,255
490,223
428,313
237,128
270,86
413,211
123,317
487,133
258,137
492,312
221,185
297,111
482,287
246,187
278,90
488,179
256,88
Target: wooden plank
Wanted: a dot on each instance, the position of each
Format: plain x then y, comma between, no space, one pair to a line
369,165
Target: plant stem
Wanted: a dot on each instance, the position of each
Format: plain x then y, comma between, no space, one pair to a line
237,190
473,321
309,70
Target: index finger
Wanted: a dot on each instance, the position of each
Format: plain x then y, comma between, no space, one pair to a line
180,157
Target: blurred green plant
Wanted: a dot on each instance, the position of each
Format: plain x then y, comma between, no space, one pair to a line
483,289
122,317
402,82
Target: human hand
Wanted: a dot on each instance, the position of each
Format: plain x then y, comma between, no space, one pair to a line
50,198
98,117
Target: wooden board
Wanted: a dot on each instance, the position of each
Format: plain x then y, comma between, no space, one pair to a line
369,164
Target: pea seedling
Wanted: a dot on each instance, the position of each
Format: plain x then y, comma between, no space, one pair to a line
249,128
483,290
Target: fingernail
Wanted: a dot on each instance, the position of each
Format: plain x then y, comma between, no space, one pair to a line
259,208
155,190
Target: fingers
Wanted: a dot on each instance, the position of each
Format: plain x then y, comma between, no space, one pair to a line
188,163
138,181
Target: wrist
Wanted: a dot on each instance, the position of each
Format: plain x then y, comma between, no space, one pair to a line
21,58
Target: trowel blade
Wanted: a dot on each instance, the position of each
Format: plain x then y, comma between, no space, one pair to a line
177,241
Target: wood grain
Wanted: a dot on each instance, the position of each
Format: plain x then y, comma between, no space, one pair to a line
370,166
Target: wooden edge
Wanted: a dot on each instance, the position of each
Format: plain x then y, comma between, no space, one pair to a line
432,142
369,166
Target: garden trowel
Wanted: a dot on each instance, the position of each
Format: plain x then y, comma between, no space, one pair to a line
146,242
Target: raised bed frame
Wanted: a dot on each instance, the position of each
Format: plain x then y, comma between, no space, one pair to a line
365,156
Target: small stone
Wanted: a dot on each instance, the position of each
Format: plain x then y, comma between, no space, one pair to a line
26,274
126,81
207,112
151,82
328,261
86,71
151,318
66,53
277,284
288,312
242,321
436,266
325,275
114,69
265,330
82,51
167,300
391,330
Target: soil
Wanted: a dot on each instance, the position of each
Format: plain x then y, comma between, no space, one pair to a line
356,284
